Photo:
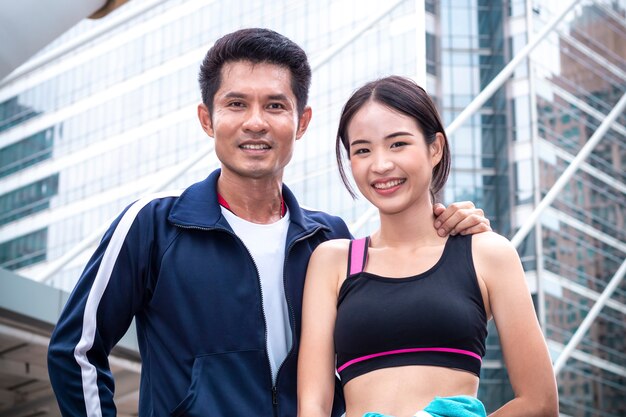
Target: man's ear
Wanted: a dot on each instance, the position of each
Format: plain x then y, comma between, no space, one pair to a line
205,119
303,121
436,149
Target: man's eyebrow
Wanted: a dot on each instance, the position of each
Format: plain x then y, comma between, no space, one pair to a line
234,94
278,97
274,97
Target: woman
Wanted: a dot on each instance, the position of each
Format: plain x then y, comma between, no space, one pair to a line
402,315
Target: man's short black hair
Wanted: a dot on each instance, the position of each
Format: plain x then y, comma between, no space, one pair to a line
255,45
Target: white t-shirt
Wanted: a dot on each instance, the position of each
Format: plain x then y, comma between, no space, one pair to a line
266,244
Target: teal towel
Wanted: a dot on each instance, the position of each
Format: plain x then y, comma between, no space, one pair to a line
457,406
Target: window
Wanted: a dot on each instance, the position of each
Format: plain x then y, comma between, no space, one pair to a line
431,54
29,199
26,152
24,250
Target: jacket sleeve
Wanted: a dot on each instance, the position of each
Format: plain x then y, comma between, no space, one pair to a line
97,314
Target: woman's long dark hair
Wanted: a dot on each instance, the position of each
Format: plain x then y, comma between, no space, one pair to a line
405,96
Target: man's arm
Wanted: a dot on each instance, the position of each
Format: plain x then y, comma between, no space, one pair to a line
460,218
97,314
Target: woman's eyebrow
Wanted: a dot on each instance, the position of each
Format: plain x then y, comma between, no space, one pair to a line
396,134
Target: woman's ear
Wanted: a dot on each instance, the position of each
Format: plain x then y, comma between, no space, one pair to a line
436,149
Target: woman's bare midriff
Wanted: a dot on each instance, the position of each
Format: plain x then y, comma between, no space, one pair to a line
402,391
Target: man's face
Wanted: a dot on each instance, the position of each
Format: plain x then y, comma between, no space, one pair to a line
255,120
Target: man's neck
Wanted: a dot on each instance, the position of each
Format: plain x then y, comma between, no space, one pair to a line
254,200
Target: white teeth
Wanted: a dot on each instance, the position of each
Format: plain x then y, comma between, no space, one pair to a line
388,184
255,147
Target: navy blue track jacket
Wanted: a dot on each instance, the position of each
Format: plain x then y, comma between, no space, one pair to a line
174,264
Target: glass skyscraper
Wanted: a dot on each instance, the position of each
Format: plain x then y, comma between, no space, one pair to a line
93,129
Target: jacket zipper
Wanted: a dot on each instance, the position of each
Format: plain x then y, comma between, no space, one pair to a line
267,353
258,276
292,317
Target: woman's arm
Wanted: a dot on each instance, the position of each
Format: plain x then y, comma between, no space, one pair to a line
316,362
525,352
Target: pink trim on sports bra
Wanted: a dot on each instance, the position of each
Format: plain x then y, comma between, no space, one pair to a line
357,255
411,350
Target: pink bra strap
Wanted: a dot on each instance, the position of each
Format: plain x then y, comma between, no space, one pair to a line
358,255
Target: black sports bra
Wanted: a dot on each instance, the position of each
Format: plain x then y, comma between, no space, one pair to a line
434,318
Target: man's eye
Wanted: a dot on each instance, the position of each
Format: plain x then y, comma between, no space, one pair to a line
276,106
235,104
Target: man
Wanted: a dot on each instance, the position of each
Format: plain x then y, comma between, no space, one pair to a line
213,276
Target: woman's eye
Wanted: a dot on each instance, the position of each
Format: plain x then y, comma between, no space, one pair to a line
360,151
398,144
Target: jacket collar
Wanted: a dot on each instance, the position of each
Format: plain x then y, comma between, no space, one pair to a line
197,207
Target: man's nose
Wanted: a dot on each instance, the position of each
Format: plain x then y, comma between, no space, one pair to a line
255,120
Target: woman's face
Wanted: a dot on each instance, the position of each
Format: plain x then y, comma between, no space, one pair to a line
390,160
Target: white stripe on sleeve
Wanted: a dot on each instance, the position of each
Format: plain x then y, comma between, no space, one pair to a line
88,371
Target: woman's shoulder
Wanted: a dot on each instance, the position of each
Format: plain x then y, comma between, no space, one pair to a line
331,249
328,264
495,257
493,250
491,243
